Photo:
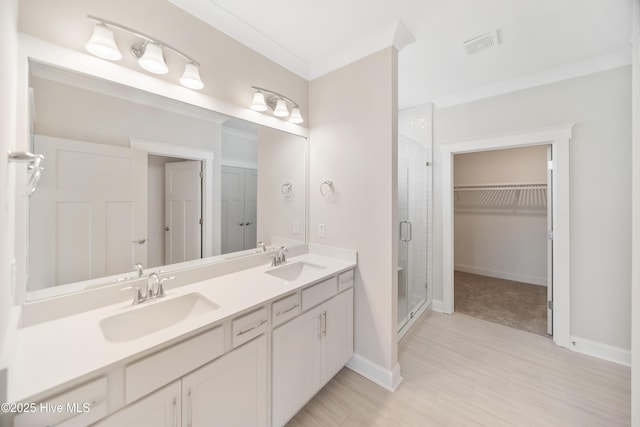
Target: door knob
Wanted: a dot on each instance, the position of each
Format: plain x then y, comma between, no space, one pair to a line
166,228
139,241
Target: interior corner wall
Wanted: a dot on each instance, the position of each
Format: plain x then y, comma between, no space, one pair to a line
281,159
600,172
353,142
8,105
635,185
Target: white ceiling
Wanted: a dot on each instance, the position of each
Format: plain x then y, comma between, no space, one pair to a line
541,40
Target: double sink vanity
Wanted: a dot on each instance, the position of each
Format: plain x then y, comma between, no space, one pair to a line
248,346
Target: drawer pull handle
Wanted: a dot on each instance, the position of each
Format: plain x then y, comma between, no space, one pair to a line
257,325
280,313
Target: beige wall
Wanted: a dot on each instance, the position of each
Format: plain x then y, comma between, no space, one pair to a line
354,144
281,158
8,57
228,68
526,165
600,172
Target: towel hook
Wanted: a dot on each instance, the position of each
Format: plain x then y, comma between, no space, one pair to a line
327,189
34,167
287,190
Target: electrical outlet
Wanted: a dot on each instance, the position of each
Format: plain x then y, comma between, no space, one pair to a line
322,230
296,227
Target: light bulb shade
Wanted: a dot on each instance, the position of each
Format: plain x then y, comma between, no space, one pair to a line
258,104
281,108
296,117
102,43
191,77
152,59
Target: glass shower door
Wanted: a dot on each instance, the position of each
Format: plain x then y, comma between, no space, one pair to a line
413,189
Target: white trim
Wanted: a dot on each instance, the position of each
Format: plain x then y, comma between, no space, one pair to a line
58,56
532,280
576,69
239,164
559,138
240,133
223,20
175,150
602,351
437,305
389,379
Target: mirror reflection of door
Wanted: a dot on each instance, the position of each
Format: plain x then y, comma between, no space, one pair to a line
90,210
183,211
239,195
175,210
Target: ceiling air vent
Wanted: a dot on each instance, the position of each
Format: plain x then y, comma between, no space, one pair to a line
483,42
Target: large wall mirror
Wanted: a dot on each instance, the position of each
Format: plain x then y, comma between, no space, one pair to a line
132,178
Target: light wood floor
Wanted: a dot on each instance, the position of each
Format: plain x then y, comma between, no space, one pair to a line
459,371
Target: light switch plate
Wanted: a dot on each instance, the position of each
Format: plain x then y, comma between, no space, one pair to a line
321,230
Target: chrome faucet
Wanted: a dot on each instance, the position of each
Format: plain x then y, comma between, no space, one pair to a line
262,246
279,257
154,288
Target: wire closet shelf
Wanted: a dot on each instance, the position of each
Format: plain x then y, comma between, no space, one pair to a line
502,197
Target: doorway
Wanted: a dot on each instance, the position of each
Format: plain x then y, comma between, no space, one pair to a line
501,201
558,137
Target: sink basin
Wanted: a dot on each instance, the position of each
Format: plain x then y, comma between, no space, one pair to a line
154,316
295,270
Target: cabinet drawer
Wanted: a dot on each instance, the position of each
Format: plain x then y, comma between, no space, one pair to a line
151,373
249,326
345,280
285,309
315,294
78,407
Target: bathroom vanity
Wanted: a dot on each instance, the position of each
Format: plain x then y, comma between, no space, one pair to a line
247,348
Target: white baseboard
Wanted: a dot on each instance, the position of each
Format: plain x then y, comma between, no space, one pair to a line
437,305
541,281
602,351
389,379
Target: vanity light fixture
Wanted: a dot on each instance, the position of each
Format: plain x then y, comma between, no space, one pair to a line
264,99
148,51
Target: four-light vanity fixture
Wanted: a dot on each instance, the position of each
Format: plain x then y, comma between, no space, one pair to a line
265,99
148,51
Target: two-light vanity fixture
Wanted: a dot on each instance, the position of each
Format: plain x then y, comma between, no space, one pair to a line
148,51
264,99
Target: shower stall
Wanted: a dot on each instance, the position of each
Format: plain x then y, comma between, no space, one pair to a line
414,213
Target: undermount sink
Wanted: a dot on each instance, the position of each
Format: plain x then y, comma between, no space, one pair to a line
295,270
155,316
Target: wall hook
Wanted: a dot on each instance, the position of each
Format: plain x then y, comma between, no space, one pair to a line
34,167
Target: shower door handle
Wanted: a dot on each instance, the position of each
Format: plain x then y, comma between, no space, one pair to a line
410,227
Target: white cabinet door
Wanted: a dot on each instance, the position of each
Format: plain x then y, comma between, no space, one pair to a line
159,409
337,334
297,365
230,391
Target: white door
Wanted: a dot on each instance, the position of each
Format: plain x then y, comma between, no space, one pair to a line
250,208
183,211
232,216
230,391
88,218
549,242
160,409
297,364
337,334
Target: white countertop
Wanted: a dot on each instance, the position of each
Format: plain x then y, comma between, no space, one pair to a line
43,357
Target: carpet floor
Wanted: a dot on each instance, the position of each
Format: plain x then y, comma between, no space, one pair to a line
514,304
